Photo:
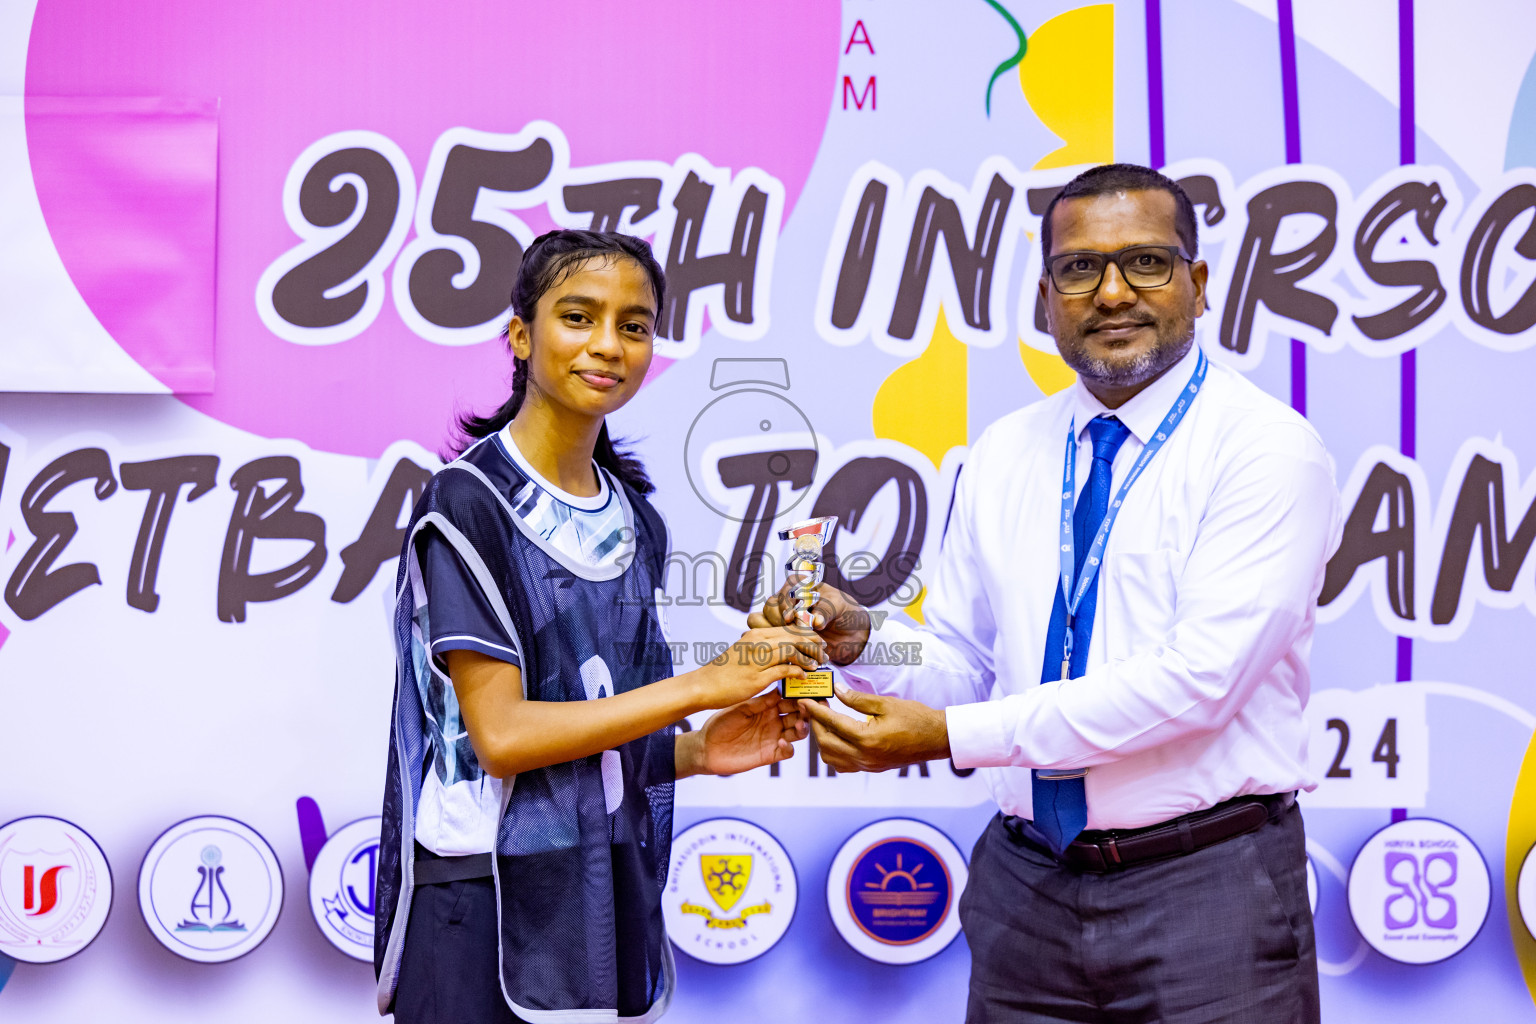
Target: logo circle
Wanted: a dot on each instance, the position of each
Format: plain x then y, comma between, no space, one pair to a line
210,889
1419,891
1525,891
341,887
893,888
55,889
731,891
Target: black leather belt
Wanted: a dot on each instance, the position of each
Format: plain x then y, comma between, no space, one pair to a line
1100,852
432,869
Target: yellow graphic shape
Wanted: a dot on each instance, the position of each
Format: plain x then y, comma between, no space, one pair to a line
726,877
1517,843
1047,369
711,921
915,609
1068,78
922,403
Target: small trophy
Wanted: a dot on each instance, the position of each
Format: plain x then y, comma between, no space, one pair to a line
806,569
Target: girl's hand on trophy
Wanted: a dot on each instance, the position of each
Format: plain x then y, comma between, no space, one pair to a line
762,657
837,618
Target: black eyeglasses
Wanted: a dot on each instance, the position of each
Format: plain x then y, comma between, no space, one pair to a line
1142,266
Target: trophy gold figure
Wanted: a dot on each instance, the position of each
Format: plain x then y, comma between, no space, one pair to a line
807,568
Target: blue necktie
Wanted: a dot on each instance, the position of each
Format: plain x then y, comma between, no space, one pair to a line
1061,806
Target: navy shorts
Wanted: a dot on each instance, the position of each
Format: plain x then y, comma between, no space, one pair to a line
451,971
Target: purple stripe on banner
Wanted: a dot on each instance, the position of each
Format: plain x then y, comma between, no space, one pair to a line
1408,390
1407,153
1288,84
1408,386
1406,114
1154,18
1292,102
311,829
1299,376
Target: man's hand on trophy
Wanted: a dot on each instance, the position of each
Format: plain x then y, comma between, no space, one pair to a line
895,732
840,620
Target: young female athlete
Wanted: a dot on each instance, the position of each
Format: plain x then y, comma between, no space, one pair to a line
528,804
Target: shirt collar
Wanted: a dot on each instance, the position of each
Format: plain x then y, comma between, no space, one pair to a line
1144,413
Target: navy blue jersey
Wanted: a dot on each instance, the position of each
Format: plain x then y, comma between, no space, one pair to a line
581,847
462,618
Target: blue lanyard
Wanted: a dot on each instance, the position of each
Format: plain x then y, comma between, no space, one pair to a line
1074,595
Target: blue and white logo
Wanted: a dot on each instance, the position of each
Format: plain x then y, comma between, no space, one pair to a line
210,889
341,887
893,890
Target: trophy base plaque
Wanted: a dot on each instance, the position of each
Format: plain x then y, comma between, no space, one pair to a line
806,569
816,685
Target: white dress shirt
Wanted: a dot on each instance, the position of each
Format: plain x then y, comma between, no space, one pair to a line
1198,666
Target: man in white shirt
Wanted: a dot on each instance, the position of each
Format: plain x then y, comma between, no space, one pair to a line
1140,726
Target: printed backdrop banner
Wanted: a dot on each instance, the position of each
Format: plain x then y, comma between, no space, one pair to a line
255,261
123,191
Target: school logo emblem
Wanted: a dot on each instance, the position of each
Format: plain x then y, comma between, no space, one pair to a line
341,887
210,889
893,889
899,891
1419,891
731,891
726,877
55,889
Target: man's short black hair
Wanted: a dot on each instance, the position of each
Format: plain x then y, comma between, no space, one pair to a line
1107,178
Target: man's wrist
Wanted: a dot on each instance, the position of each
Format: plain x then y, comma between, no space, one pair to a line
941,740
688,754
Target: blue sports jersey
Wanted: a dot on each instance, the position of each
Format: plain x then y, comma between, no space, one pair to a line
581,848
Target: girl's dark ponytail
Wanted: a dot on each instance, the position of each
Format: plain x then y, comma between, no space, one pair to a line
621,463
475,427
546,263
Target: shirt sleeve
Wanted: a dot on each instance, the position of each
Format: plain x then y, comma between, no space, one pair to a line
948,660
461,619
1245,597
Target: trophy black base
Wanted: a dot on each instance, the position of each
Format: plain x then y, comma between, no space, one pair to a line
816,685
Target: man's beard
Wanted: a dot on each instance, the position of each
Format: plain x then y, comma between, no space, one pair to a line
1173,340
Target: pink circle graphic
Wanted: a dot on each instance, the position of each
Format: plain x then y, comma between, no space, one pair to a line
745,84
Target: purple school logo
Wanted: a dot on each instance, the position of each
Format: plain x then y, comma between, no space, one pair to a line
1419,891
893,888
1422,891
899,891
